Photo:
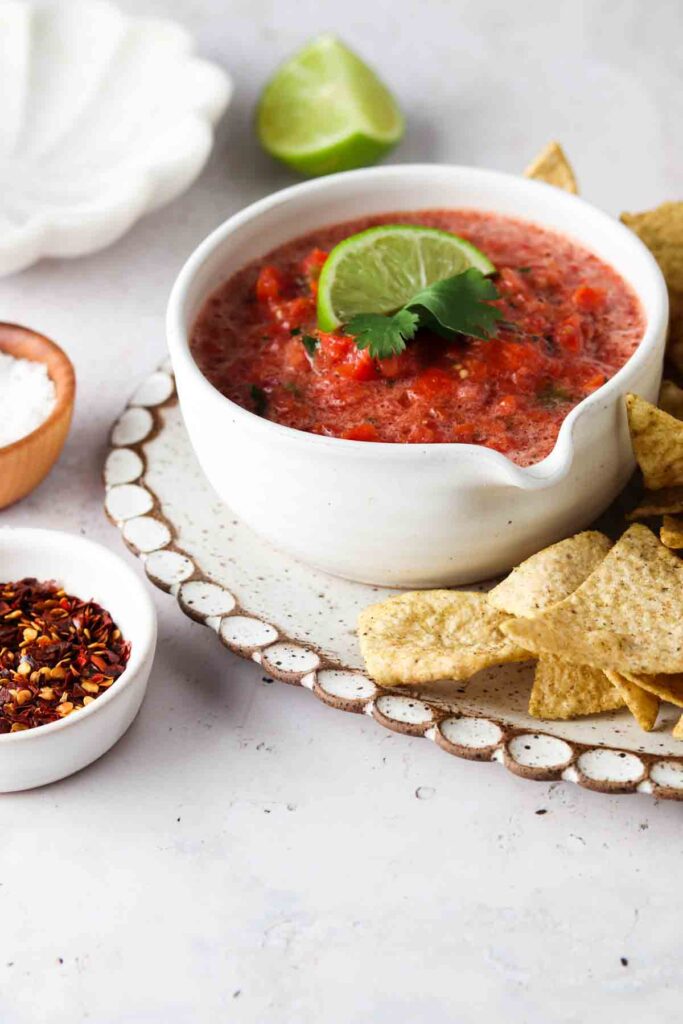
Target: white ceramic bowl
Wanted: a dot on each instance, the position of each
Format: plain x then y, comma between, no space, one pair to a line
88,570
411,515
104,118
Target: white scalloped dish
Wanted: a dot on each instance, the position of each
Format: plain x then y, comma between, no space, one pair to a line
299,624
104,118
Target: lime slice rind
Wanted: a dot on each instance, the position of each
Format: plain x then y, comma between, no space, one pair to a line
379,270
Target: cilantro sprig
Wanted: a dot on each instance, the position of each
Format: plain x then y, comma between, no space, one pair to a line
383,335
456,305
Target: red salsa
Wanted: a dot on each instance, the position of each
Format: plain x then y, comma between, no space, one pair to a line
570,322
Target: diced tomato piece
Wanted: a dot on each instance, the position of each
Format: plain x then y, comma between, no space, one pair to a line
313,263
400,365
339,353
311,266
589,299
434,382
463,432
594,382
569,335
296,357
506,405
332,348
513,354
269,284
362,432
358,365
291,313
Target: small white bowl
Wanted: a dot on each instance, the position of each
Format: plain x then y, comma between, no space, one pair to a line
104,118
412,515
88,570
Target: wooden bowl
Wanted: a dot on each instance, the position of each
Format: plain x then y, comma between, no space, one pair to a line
27,461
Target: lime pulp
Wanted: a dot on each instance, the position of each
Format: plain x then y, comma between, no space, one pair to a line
380,270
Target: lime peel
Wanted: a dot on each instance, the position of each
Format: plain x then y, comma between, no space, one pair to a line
325,110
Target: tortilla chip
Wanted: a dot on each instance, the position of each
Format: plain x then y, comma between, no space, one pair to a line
674,350
657,440
433,634
625,617
667,687
550,575
562,690
661,230
671,399
643,706
658,503
677,731
552,167
671,533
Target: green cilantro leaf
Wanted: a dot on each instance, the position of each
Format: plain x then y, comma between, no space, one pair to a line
456,305
459,305
383,336
310,344
551,395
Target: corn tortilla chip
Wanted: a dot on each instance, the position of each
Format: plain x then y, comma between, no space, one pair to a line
677,731
643,706
429,635
661,230
552,167
562,690
667,687
657,503
657,440
671,399
671,533
625,617
674,351
550,575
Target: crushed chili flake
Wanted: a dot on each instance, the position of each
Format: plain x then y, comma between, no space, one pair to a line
57,654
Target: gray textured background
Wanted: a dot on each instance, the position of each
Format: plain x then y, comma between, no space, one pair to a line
226,862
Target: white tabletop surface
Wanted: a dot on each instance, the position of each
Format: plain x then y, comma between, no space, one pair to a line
245,853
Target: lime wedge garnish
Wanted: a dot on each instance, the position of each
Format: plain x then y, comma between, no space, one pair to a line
381,269
325,110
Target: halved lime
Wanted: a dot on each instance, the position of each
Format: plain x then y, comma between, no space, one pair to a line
325,110
381,269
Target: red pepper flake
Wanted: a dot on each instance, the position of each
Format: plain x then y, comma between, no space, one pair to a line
57,654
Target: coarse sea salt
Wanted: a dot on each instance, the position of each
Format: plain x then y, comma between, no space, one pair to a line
27,397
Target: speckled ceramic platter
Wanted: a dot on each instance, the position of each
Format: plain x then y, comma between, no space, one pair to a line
299,624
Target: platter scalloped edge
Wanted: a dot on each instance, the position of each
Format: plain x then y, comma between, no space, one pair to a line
134,508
